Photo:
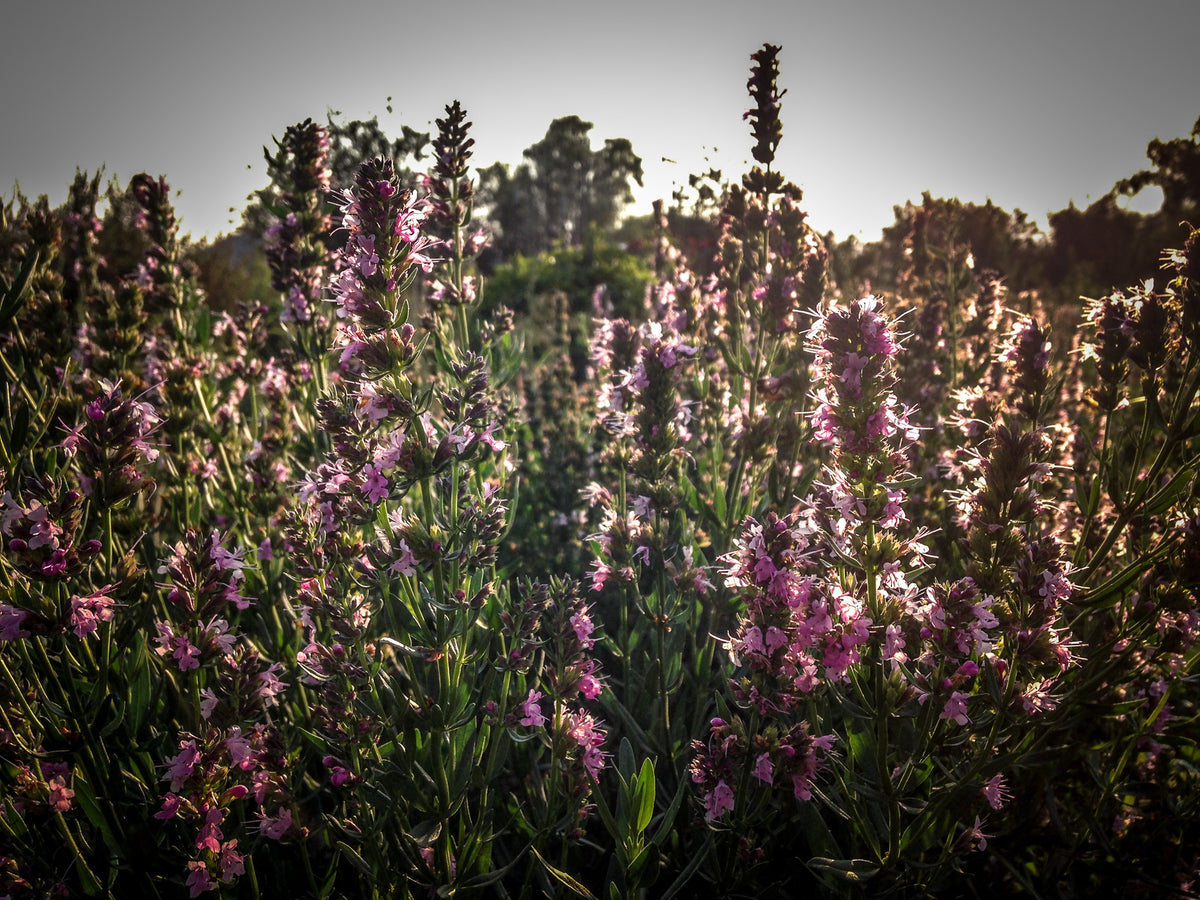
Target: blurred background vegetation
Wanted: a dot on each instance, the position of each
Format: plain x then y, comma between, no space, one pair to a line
561,222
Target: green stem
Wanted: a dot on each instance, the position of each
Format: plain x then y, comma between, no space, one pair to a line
1093,500
660,624
85,870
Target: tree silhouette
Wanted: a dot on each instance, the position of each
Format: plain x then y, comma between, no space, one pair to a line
562,190
1176,170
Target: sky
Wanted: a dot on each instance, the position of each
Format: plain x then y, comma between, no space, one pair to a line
1033,104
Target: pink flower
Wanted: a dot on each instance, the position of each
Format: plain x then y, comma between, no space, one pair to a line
210,834
240,752
275,827
893,648
589,684
582,728
368,261
995,791
764,568
405,564
975,837
583,628
178,646
488,436
602,573
969,669
217,631
338,774
269,685
1036,697
60,794
753,641
56,564
718,801
169,809
88,612
408,225
956,709
375,486
225,560
764,770
230,861
179,767
1055,587
775,639
851,376
199,880
10,623
533,717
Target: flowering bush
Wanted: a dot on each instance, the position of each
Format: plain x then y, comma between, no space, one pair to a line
889,593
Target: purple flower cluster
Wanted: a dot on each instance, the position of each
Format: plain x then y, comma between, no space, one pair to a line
789,759
384,242
160,274
295,242
204,579
208,781
799,629
450,203
564,633
642,407
43,529
112,446
236,755
856,409
1015,556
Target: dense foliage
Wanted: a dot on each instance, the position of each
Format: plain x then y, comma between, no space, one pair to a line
794,568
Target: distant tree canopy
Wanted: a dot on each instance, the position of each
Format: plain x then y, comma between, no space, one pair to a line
566,193
1105,246
1005,242
564,189
1176,170
1102,247
1088,252
353,143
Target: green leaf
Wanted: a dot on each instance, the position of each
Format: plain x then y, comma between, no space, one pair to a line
1116,584
646,859
14,294
667,822
602,807
425,833
139,697
355,860
625,761
20,429
1166,496
854,870
12,821
117,718
85,796
562,877
487,879
318,741
643,798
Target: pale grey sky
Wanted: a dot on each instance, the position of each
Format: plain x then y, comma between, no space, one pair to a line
1033,103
